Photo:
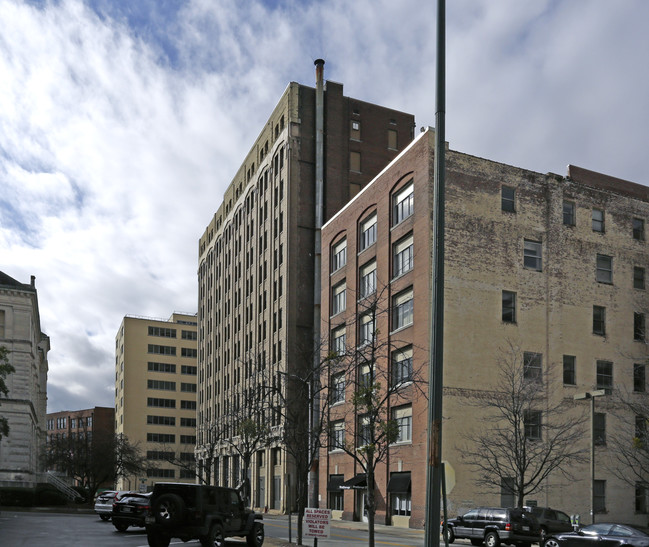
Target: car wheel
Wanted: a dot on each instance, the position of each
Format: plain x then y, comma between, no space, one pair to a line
169,509
491,539
214,538
256,536
476,542
104,517
550,542
121,526
157,540
451,534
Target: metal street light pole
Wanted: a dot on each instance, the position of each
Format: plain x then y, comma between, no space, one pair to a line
591,395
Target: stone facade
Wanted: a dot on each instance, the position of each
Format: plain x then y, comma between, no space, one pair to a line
560,245
25,404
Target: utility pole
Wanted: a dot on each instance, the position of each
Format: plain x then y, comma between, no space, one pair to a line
436,361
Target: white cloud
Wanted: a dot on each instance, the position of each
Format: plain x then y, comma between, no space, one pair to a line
114,157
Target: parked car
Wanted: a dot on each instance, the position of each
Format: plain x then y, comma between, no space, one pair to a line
495,525
130,510
601,534
196,511
551,521
104,504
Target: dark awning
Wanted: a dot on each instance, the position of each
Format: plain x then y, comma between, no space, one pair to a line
335,482
399,483
359,482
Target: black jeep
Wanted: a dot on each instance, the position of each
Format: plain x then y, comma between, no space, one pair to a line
195,511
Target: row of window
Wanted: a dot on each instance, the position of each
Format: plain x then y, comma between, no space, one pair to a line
170,420
156,402
171,368
401,416
170,438
62,423
171,350
170,386
403,207
598,218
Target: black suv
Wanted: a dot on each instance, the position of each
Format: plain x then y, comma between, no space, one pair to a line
551,520
495,525
195,511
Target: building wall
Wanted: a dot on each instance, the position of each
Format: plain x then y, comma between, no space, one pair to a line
256,263
146,379
87,423
554,310
25,404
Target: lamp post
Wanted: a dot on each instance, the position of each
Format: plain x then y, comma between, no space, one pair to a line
591,395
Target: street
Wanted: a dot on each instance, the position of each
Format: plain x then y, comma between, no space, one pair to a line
28,528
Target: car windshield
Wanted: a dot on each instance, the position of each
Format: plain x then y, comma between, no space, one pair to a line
596,529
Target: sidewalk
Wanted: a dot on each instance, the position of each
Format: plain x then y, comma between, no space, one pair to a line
393,531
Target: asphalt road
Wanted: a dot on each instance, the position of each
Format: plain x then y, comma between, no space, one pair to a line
30,528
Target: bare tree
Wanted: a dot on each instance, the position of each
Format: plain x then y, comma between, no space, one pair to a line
367,428
523,434
94,458
5,369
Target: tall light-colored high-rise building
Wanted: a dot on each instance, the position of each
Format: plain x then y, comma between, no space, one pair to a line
545,300
259,273
24,407
155,395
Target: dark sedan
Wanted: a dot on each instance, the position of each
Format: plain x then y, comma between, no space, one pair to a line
605,534
130,510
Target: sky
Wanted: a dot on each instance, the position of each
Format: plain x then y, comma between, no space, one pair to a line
122,123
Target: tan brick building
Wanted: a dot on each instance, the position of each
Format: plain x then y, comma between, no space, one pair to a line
551,264
155,395
257,263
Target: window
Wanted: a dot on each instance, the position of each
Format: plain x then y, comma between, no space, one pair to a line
532,424
402,416
368,233
188,352
402,366
339,298
638,326
599,428
337,388
189,335
604,273
638,229
161,331
161,420
339,255
355,162
188,388
161,384
188,439
641,430
188,369
532,363
366,331
402,305
509,307
337,435
161,350
160,403
392,139
638,277
339,340
639,378
532,255
569,370
188,422
599,496
160,438
599,320
605,375
355,130
402,256
598,220
403,204
364,430
507,199
569,217
641,497
507,492
368,279
161,367
188,405
401,503
365,377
